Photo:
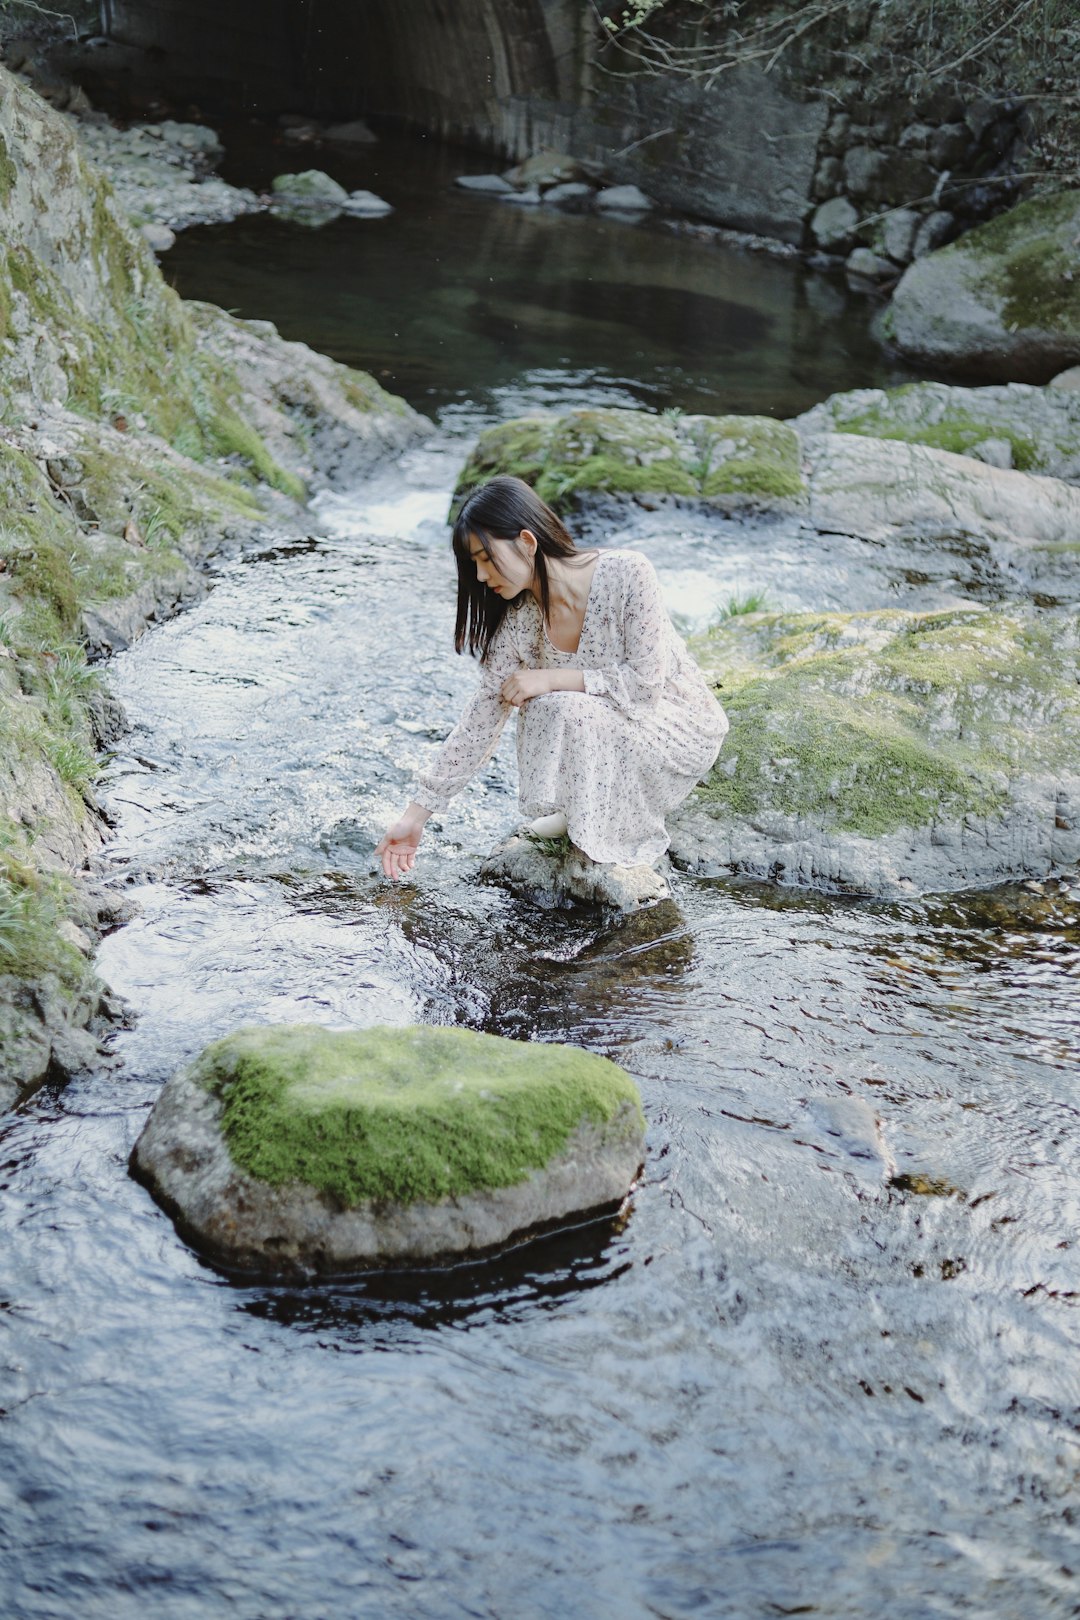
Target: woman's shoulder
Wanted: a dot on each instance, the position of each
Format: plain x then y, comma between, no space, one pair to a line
620,561
626,571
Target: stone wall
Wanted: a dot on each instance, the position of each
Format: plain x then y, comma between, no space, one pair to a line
503,76
830,125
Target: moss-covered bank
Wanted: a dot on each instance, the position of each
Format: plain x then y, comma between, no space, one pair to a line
138,434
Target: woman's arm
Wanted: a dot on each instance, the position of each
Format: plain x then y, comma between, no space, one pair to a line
469,746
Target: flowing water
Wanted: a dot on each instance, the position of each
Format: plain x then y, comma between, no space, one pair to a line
816,1368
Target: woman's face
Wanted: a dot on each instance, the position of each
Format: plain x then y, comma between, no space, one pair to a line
509,569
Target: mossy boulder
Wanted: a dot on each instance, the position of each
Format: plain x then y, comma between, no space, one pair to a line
726,461
1039,427
1001,304
298,1148
888,753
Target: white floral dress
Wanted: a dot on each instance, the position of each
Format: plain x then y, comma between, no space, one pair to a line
614,758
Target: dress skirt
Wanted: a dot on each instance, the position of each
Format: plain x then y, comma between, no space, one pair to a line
615,778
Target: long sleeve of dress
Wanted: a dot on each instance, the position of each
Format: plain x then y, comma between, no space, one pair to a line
475,737
637,682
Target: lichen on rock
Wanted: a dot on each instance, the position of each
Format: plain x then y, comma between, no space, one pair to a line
1003,302
299,1146
892,752
1041,426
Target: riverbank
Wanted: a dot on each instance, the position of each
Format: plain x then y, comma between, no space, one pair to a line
142,437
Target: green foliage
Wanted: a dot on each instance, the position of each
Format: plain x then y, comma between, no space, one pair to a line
31,908
752,602
405,1115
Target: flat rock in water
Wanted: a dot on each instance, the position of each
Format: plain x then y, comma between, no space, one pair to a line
368,204
484,182
297,1149
626,199
553,870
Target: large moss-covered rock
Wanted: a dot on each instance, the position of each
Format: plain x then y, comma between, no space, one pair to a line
1003,302
300,1148
728,461
889,752
1033,429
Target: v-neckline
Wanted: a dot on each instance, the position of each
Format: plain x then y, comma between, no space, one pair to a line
569,652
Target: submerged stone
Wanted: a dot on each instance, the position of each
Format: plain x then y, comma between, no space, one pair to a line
888,753
298,1148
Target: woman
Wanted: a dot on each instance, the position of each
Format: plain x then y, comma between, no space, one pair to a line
616,723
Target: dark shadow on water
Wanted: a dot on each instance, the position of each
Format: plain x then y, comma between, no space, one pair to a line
383,1307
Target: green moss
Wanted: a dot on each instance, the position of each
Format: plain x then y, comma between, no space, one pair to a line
8,172
405,1115
235,437
1029,256
41,571
621,452
754,477
873,722
956,430
518,449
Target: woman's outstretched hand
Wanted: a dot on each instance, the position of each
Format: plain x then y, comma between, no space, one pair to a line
397,849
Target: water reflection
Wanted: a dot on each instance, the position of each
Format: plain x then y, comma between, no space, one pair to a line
388,1307
456,295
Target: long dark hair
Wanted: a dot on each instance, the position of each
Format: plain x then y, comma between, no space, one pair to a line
499,510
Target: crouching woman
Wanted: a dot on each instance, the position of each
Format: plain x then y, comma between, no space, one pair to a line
616,723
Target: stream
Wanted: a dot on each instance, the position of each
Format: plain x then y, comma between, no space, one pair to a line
815,1368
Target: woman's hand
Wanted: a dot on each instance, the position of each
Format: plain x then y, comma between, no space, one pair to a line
399,844
524,684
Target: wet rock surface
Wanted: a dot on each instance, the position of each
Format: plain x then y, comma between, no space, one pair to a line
299,1149
145,436
553,871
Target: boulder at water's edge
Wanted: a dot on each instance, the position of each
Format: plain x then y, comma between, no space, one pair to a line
1002,304
892,753
300,1149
